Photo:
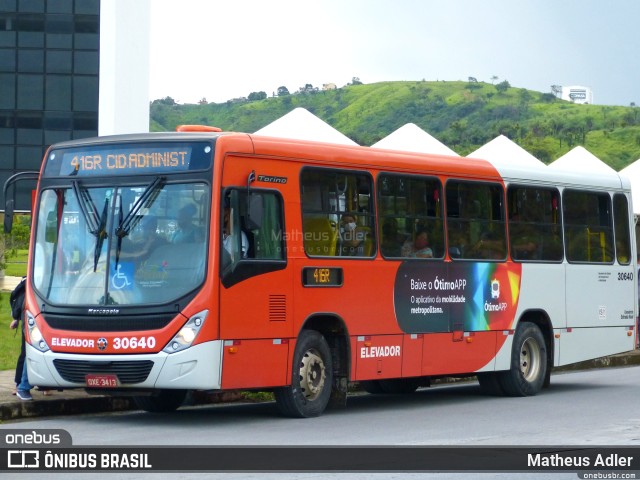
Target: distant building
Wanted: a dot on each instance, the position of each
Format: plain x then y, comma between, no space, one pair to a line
329,86
69,69
577,94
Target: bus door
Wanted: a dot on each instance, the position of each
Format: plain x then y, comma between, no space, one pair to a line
255,293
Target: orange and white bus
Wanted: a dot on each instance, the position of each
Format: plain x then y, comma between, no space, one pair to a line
163,263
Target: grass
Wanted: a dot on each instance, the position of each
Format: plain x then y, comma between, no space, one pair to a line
17,264
9,339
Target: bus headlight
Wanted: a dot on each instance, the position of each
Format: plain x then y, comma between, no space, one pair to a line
35,335
187,334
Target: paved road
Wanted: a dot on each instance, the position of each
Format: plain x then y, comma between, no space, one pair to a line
590,408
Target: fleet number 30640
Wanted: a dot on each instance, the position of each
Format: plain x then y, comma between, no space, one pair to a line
131,343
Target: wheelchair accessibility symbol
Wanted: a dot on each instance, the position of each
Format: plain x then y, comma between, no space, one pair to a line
120,279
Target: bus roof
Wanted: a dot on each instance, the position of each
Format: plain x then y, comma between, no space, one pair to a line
366,157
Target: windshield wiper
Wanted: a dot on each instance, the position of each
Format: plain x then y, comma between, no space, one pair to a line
146,199
101,234
96,224
87,207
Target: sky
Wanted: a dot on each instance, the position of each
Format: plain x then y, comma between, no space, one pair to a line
221,50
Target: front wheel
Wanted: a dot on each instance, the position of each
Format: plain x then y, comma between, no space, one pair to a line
528,363
312,378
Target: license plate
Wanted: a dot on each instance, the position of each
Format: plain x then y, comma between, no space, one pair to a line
101,381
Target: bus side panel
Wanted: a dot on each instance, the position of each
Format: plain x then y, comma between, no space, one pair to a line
378,356
600,295
255,363
413,345
578,344
463,352
542,288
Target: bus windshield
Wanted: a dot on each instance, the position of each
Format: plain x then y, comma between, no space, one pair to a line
121,245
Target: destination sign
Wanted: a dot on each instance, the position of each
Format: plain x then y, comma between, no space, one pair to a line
129,159
322,277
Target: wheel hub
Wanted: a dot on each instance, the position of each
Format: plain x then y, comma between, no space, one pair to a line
530,359
312,375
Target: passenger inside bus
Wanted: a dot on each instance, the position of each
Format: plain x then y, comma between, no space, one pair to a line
418,247
186,231
352,237
228,238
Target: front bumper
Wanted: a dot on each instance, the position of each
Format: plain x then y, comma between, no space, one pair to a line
198,368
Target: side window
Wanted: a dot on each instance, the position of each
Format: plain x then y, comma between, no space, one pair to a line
588,232
534,224
337,213
253,240
411,223
475,221
621,219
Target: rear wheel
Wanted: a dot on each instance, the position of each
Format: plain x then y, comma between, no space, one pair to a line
161,402
312,378
528,363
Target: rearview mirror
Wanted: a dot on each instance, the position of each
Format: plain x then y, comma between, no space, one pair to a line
8,216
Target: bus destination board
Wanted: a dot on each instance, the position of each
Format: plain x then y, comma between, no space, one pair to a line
322,277
129,159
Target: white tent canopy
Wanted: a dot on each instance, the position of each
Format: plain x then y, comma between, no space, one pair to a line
580,159
503,151
301,124
411,138
632,172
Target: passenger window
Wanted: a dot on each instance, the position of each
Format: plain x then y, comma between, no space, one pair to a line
475,221
535,232
623,237
337,213
588,232
410,217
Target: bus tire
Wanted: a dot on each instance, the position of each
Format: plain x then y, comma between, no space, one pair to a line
528,363
163,401
312,378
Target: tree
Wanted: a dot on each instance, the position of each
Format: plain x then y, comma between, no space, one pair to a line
257,96
202,101
356,81
503,86
473,80
282,91
165,101
556,89
308,88
494,78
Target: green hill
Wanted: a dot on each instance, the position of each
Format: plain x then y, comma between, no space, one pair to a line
464,116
